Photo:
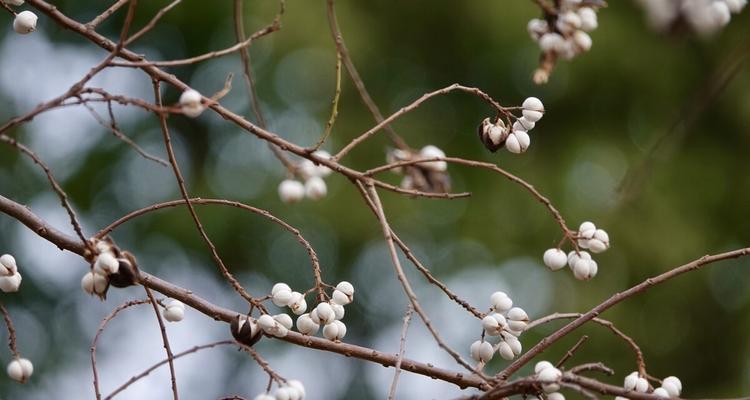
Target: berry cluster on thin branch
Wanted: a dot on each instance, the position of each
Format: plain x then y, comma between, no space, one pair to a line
562,33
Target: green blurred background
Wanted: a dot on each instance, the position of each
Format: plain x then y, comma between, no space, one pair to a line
606,110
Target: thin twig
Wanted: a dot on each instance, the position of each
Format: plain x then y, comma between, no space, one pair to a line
572,351
165,341
11,332
401,351
150,369
99,332
334,107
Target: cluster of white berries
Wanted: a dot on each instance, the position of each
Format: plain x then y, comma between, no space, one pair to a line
670,386
507,323
105,264
10,278
314,188
580,262
25,21
20,369
515,139
191,103
328,314
292,390
174,311
703,16
566,35
549,377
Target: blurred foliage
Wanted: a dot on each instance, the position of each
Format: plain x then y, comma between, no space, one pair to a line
605,111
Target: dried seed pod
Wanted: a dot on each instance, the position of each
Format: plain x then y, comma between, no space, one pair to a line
245,330
493,134
127,272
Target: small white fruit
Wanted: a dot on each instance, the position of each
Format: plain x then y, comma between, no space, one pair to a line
282,297
10,284
346,287
336,330
106,264
481,351
280,286
174,314
574,256
293,383
493,324
306,326
533,109
549,42
671,389
542,365
25,22
431,151
20,369
505,351
549,375
191,103
661,392
500,302
555,259
325,313
589,20
340,298
284,320
297,303
517,319
291,191
674,381
582,41
315,188
9,263
338,310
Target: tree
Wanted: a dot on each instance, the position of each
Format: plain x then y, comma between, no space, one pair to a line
317,301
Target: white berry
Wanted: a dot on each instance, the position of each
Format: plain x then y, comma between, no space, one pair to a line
191,103
533,109
481,351
555,259
25,22
306,326
517,319
282,297
673,381
174,311
325,313
20,369
284,320
505,351
589,21
494,324
10,284
291,191
431,151
542,365
500,302
297,303
315,188
336,330
106,264
9,263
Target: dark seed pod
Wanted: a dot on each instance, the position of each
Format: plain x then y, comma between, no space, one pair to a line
484,130
248,334
127,274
